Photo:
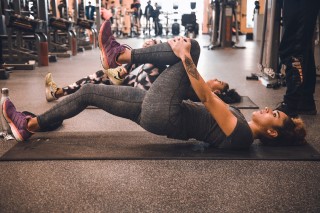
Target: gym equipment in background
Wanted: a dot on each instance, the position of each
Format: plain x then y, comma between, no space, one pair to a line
175,25
4,73
270,74
61,36
26,36
189,21
225,25
86,33
118,20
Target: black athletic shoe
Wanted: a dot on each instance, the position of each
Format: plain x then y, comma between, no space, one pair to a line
307,108
301,109
283,107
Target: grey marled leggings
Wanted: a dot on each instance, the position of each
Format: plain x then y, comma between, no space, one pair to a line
157,110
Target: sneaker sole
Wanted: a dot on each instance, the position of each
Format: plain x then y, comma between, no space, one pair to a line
103,55
13,127
49,98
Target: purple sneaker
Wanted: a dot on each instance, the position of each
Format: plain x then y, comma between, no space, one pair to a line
16,120
110,49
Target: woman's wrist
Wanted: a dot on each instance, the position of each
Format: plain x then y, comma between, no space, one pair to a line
184,56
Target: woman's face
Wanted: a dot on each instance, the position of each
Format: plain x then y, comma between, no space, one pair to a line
216,84
267,118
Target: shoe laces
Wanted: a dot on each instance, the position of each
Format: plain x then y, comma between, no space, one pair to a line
53,85
127,46
114,43
19,119
116,71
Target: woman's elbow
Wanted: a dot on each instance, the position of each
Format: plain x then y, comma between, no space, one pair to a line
206,99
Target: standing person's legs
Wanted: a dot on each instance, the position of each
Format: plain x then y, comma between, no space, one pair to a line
147,25
311,11
299,18
306,102
287,51
155,27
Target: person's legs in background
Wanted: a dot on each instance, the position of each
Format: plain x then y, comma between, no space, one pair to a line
296,53
107,77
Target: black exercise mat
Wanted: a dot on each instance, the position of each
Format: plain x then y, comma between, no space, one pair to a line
245,103
140,145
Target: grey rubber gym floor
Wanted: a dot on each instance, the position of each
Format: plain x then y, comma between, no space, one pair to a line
156,185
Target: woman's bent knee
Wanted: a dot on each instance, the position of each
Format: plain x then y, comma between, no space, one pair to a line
195,51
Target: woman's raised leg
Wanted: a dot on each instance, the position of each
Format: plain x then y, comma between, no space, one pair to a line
114,53
161,109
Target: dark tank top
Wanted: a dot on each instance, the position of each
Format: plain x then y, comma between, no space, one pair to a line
199,124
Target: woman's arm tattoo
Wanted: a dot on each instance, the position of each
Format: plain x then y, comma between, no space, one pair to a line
191,68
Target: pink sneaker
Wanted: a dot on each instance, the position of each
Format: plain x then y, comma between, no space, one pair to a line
110,49
17,121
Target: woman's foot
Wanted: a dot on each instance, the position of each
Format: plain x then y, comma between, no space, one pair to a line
116,75
110,49
51,88
17,121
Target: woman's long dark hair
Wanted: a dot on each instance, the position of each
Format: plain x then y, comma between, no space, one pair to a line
291,133
230,96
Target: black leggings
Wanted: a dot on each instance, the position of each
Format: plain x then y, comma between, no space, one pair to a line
299,20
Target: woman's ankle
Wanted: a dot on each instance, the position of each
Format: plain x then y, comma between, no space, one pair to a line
33,125
123,73
59,93
124,57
